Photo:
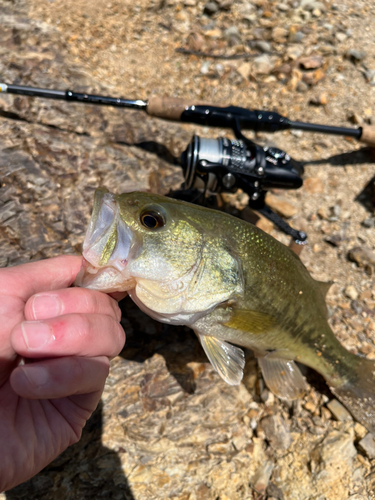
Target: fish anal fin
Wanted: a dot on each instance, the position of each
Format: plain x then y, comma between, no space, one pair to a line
227,359
252,321
282,377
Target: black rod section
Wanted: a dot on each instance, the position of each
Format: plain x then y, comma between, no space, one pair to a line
69,95
35,92
327,129
106,101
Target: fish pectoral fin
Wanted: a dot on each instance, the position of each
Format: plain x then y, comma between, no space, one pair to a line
282,377
251,321
227,359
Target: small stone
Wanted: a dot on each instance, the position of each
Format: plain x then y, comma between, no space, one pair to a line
250,18
294,52
263,46
279,34
219,69
219,448
327,48
211,8
244,70
351,292
311,5
232,32
355,118
267,13
239,442
276,432
262,64
214,33
336,210
311,62
281,205
363,256
205,68
325,414
320,100
341,37
302,86
337,447
334,239
261,477
283,7
284,69
267,397
317,248
274,492
323,213
310,406
224,4
339,411
355,55
307,4
313,185
356,306
369,223
360,430
195,41
365,295
368,445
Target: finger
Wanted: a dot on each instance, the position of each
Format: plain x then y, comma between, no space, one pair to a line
68,301
118,295
69,335
61,377
49,274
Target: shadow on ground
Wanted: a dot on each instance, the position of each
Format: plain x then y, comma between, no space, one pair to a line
85,470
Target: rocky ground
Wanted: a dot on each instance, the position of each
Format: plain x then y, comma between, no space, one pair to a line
168,427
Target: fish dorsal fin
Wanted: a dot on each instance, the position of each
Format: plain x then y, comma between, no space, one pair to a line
250,321
282,377
324,286
227,360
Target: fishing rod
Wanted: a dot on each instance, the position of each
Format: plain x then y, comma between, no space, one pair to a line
199,112
217,165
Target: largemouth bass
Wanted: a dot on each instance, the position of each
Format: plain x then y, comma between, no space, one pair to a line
232,284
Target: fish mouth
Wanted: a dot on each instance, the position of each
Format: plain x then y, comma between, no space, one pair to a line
104,279
106,248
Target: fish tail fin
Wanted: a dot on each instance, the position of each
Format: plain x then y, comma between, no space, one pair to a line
358,394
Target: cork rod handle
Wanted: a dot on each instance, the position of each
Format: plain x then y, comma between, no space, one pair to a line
368,135
170,108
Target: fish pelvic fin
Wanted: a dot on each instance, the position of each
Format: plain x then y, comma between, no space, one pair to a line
358,394
227,359
282,377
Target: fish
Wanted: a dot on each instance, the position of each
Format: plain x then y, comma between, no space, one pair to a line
233,284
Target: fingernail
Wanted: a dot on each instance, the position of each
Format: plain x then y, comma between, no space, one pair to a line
46,306
36,334
36,375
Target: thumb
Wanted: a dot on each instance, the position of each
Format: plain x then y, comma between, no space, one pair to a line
50,274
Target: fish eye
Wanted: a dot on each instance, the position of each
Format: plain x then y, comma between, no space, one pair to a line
152,219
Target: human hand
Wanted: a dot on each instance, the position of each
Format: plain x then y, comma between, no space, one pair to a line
66,336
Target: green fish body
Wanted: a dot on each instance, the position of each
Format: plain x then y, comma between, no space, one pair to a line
232,284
